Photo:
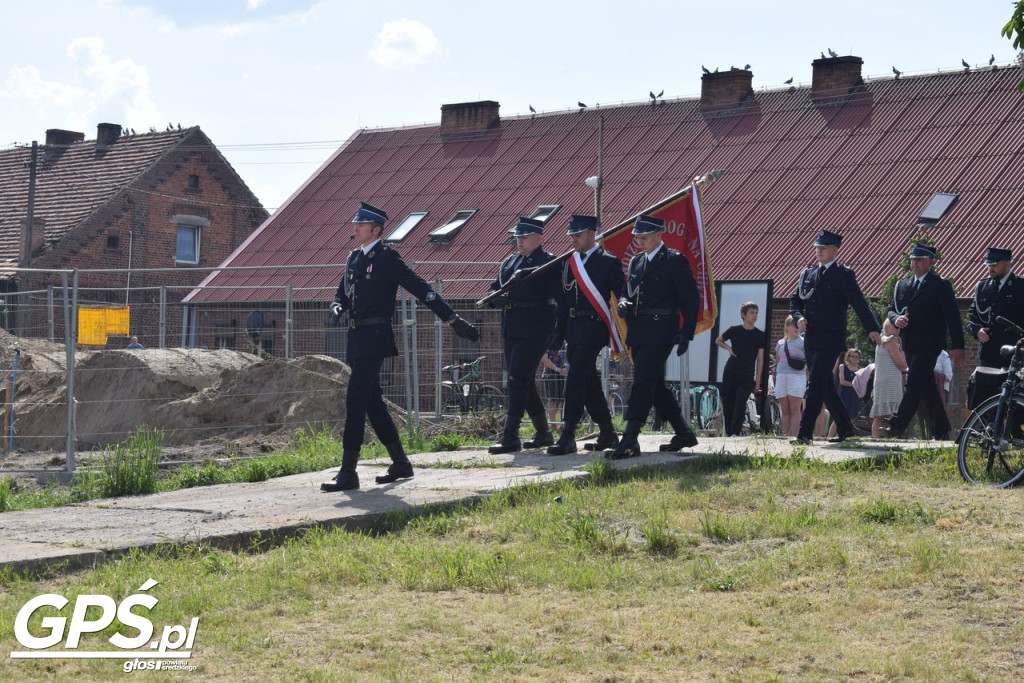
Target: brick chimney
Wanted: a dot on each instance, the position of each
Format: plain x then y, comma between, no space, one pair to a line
725,90
468,117
836,77
106,134
55,137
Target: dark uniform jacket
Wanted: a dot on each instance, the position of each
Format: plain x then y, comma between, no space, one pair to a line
823,301
531,309
368,291
991,301
932,311
578,322
660,292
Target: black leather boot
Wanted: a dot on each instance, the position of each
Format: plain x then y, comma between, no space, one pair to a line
629,447
509,441
606,438
542,437
346,479
400,467
683,437
566,443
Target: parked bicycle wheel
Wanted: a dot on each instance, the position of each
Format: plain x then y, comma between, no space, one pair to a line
490,398
775,414
615,404
709,404
985,459
451,402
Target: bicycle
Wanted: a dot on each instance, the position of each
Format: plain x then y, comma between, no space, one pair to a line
616,404
706,406
466,394
990,446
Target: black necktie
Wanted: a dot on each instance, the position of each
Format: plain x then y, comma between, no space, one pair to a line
821,271
643,266
914,287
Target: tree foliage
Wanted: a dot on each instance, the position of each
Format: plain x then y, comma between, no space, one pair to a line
1014,30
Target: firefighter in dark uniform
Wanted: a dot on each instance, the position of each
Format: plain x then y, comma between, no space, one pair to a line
924,309
369,286
823,294
1001,294
659,287
586,332
527,323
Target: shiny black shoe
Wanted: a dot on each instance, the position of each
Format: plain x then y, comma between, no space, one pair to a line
801,441
506,445
604,442
344,481
398,470
540,440
840,437
679,442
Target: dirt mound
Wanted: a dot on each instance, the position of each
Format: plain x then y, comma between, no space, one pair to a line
195,396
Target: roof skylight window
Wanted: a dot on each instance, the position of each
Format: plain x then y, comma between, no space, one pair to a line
446,232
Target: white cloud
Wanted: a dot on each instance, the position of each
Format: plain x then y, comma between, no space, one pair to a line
251,5
403,43
98,86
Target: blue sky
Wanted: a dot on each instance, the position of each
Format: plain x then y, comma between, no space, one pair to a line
279,85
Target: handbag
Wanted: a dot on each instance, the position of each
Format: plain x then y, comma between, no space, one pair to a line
795,363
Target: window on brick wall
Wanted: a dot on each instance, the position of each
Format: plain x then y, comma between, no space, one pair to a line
193,182
188,238
187,249
113,242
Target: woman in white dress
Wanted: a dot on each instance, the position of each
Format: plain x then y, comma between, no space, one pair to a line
790,382
890,364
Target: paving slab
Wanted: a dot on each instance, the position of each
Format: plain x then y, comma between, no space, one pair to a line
237,514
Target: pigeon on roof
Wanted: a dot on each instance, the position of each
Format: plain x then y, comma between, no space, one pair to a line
790,81
897,72
831,53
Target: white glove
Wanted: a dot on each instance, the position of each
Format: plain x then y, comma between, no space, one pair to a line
336,308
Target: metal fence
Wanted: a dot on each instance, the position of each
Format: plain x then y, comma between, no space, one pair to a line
59,396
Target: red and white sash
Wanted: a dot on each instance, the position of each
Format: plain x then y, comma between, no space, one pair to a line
597,301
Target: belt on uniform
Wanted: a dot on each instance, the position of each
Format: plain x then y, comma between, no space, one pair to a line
531,304
577,313
366,322
655,312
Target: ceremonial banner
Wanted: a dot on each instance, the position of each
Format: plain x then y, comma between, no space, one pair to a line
684,232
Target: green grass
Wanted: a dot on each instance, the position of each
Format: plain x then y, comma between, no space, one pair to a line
131,468
717,567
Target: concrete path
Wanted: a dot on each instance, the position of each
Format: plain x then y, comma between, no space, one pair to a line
236,514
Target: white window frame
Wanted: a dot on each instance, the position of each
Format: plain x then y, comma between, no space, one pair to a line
196,225
452,227
407,225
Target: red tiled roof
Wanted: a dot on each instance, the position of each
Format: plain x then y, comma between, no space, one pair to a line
864,168
72,181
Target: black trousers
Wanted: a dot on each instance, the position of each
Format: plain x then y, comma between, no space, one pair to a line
735,392
522,356
649,388
365,400
921,387
821,389
583,386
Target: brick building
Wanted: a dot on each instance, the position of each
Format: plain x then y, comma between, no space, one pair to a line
122,201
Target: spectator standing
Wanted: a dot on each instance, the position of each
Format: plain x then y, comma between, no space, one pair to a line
134,343
742,377
846,372
790,376
890,364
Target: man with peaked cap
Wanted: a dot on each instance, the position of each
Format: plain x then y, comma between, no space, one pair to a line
589,278
368,289
1001,294
659,288
528,319
924,309
823,294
